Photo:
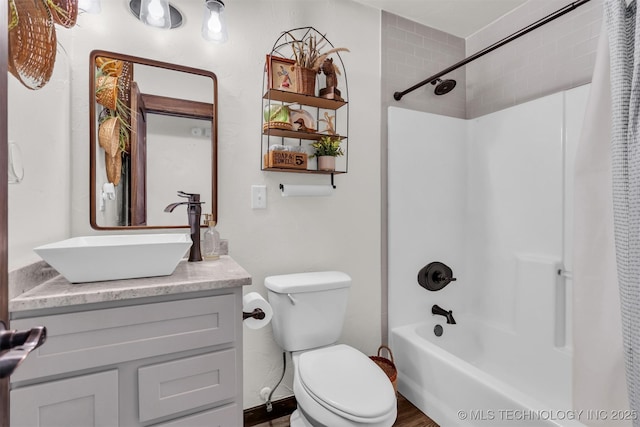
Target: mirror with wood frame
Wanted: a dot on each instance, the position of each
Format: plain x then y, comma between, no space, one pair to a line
153,129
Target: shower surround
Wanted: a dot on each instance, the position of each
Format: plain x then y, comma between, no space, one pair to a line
491,198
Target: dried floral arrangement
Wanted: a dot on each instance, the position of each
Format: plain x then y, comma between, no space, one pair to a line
308,52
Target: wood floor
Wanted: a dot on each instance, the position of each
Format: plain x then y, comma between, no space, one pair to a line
408,416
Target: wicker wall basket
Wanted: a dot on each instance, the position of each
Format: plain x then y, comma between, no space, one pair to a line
109,139
109,136
109,66
387,365
64,12
107,91
32,43
114,168
277,125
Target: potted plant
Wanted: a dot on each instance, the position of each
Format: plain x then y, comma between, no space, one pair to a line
326,150
308,57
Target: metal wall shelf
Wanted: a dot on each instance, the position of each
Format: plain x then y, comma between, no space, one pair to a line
285,137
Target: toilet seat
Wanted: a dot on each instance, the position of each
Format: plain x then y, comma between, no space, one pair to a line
347,383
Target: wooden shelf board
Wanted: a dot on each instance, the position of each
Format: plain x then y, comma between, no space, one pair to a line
300,98
303,171
296,134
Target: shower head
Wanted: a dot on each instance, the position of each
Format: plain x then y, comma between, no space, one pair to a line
443,86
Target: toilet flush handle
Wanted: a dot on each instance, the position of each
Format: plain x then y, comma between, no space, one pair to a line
292,299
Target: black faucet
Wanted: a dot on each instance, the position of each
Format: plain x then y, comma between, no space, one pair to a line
194,209
442,312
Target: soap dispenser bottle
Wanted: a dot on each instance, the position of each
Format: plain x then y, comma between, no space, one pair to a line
211,240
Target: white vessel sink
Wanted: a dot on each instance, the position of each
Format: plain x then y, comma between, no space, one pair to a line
114,257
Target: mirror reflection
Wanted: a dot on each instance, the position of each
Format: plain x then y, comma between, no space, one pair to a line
153,133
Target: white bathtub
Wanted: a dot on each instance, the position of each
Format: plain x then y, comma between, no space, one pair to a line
476,374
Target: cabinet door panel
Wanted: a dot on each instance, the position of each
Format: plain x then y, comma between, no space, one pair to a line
102,337
89,400
186,384
225,416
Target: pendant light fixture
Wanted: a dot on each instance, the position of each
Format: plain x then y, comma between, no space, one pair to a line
162,14
155,13
214,26
175,17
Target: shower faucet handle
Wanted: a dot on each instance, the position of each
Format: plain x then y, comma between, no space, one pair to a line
435,276
439,276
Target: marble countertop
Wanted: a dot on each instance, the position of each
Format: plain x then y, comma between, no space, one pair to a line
39,286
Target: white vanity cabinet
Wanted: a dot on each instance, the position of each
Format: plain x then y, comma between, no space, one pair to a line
86,400
168,360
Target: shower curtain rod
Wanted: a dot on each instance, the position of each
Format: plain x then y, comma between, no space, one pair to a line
558,13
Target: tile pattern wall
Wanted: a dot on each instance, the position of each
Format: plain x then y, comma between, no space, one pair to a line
558,56
412,52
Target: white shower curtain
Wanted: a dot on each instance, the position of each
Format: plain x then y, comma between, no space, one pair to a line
621,21
598,367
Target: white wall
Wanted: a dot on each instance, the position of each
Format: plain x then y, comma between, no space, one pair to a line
39,123
293,234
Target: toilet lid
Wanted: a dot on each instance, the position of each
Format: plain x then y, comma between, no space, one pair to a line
342,378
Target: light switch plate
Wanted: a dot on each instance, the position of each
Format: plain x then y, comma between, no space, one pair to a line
258,197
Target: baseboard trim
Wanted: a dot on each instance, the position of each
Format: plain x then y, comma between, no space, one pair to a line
280,408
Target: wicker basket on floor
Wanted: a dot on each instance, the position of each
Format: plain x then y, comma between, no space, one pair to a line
387,365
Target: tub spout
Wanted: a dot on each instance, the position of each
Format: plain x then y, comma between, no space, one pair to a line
442,312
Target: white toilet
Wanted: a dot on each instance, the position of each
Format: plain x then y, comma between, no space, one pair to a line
335,385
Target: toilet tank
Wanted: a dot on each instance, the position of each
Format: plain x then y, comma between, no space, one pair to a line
308,308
